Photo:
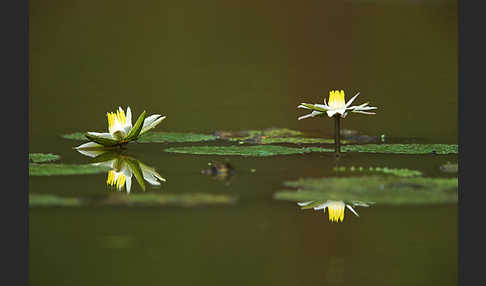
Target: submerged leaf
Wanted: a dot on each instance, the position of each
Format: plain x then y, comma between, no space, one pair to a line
185,200
378,189
137,200
42,157
48,200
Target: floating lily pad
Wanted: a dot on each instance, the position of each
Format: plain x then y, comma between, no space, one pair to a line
42,157
378,189
42,200
185,200
291,140
384,170
272,136
64,169
246,134
259,150
174,137
157,137
403,148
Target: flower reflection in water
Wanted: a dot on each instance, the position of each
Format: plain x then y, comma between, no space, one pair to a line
336,208
122,169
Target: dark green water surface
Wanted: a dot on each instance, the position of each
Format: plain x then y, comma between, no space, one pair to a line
241,65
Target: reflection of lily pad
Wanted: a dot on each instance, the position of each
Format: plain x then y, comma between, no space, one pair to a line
157,137
64,169
39,200
384,170
259,150
403,148
42,157
381,190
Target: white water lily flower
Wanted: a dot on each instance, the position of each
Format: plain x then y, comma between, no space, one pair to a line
121,130
337,105
336,208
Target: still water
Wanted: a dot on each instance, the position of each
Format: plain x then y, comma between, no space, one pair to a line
239,65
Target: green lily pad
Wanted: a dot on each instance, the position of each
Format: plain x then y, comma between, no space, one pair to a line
64,169
185,200
42,157
384,170
378,189
403,148
43,200
272,136
287,140
157,137
246,134
259,150
174,137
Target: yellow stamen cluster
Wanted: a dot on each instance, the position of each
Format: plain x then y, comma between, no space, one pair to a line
114,117
119,182
336,213
336,98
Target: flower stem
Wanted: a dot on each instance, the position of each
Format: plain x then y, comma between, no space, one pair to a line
337,135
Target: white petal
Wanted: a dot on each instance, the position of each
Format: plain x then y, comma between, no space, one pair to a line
89,145
323,206
128,183
323,106
302,106
129,116
351,209
304,203
331,113
312,114
149,120
351,100
363,112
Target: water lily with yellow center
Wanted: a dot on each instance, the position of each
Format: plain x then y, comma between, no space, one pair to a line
336,208
337,109
120,129
122,169
337,106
